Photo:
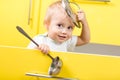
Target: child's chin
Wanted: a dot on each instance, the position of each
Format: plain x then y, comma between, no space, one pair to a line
61,41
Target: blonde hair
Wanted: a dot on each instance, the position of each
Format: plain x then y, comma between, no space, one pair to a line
52,9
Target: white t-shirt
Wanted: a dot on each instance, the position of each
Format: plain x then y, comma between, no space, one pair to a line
68,45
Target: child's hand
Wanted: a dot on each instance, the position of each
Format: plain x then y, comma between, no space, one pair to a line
81,16
44,48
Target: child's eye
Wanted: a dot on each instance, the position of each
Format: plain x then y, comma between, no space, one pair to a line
59,25
70,28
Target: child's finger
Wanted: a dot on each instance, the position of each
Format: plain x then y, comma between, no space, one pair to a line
44,48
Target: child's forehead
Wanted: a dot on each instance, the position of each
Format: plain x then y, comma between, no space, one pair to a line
62,19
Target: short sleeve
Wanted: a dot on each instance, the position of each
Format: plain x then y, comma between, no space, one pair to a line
37,39
71,43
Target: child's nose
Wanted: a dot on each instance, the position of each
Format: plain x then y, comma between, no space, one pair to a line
64,31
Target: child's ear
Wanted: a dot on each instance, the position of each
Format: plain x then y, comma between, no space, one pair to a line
46,24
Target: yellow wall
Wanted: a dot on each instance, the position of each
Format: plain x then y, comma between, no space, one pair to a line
103,19
13,13
15,62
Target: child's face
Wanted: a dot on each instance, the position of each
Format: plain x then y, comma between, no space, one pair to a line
60,28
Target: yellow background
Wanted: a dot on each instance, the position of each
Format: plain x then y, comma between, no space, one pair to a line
103,19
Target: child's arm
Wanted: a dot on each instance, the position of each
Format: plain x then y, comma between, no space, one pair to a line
85,34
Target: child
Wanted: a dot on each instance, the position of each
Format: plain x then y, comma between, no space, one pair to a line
59,31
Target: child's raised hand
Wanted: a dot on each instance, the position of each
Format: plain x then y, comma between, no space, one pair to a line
81,16
44,48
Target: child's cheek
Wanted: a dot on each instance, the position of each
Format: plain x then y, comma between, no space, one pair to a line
70,34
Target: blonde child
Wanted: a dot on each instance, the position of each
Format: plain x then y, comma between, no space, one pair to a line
59,31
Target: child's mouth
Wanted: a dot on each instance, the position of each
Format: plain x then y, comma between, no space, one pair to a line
62,37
